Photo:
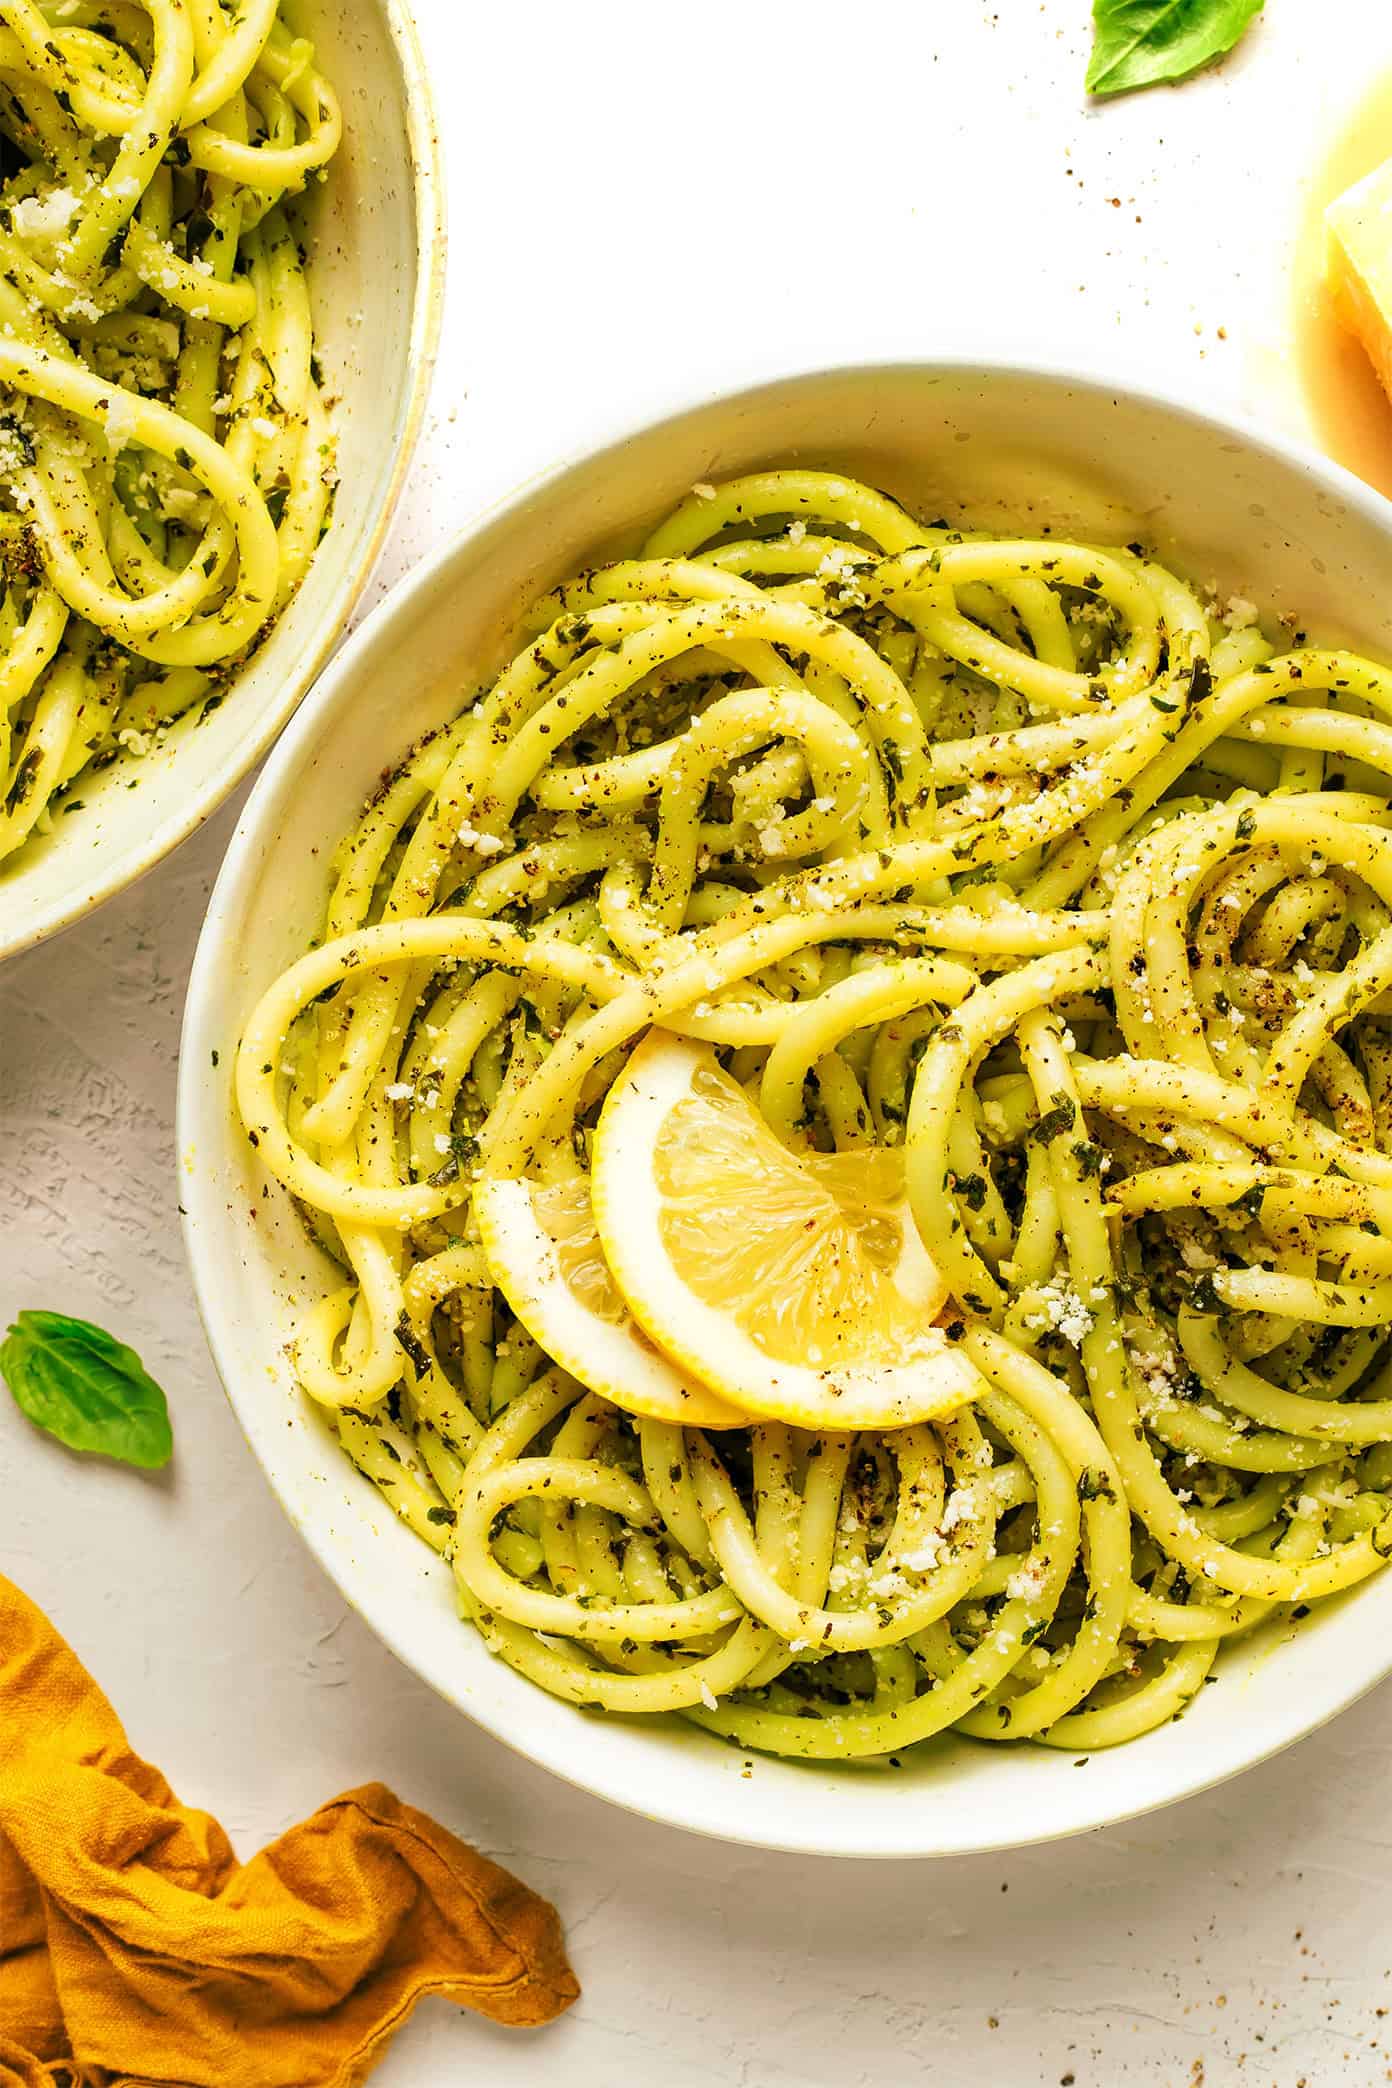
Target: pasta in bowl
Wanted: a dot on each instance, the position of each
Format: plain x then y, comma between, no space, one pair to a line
187,501
845,1091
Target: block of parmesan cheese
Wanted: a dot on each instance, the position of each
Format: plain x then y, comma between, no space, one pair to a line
1359,224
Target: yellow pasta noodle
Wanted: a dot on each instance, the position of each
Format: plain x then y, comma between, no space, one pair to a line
1002,897
166,465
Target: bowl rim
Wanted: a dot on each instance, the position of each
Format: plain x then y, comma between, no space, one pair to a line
34,925
201,1207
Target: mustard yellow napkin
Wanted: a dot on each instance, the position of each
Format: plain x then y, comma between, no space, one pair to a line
134,1946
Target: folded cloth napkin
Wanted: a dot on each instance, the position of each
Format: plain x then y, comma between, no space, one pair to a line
134,1947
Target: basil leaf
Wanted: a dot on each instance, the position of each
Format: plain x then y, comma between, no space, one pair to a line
1138,43
90,1391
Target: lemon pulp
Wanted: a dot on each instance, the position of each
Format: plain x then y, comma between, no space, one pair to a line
799,1249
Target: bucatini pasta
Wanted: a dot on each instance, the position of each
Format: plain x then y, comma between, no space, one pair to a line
851,1093
166,464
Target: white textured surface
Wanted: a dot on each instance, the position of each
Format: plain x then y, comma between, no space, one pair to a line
931,173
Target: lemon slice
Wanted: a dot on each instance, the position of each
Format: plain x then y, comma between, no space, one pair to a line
795,1285
544,1255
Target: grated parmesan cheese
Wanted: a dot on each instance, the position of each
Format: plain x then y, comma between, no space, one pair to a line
44,217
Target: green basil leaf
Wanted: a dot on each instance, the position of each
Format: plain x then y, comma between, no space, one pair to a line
89,1390
1139,43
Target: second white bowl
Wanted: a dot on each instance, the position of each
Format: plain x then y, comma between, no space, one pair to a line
375,282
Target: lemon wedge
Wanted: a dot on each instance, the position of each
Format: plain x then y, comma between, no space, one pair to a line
544,1255
795,1285
1359,266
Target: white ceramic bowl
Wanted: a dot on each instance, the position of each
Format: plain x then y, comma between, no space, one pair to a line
996,442
376,284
